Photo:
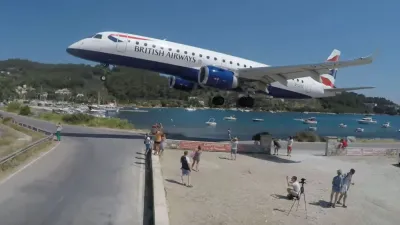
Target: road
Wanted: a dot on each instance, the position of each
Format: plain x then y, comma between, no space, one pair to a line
93,176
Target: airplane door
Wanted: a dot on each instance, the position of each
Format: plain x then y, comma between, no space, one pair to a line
121,46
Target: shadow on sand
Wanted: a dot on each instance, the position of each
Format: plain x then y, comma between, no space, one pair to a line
271,158
321,203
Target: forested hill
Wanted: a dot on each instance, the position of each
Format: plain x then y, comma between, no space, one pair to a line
128,85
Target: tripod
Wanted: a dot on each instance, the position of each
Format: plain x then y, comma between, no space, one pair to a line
297,198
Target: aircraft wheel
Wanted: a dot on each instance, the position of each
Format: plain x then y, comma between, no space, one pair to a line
218,100
245,102
103,78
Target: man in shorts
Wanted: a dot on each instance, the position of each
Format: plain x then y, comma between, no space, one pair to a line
336,187
345,187
185,167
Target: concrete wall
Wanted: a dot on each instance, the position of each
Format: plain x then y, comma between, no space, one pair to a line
216,146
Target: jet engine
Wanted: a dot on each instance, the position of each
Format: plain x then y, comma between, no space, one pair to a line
181,84
216,77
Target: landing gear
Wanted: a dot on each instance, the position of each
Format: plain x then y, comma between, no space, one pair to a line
218,100
106,71
245,102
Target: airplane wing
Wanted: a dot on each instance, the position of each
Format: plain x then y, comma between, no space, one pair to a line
346,89
284,73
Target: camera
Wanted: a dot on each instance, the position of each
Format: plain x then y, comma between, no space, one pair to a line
302,181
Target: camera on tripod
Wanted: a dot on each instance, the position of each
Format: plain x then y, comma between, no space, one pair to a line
302,181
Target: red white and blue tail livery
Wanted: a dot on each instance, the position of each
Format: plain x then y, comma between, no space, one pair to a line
191,68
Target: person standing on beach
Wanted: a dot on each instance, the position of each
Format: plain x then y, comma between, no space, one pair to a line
196,158
345,187
185,167
336,187
277,146
229,133
58,132
289,146
234,147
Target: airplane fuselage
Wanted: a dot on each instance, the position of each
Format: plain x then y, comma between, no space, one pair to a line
115,48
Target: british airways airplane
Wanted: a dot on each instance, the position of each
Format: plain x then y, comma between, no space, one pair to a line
193,68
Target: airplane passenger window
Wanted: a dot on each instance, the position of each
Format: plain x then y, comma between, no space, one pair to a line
137,42
154,46
162,47
193,54
177,50
245,66
251,67
145,44
97,36
170,49
223,60
185,52
230,62
215,58
201,55
208,57
238,64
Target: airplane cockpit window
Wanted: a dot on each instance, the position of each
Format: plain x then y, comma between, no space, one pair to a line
98,36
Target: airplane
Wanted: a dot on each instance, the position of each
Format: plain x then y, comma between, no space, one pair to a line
195,68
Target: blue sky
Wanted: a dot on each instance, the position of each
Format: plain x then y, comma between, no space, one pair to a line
271,32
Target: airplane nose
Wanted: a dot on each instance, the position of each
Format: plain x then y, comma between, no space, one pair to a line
74,48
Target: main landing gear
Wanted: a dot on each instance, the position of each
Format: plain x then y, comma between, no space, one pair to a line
106,71
245,102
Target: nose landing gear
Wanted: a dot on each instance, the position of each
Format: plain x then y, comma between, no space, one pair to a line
106,71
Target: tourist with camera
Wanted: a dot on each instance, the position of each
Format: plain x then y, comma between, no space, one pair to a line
293,187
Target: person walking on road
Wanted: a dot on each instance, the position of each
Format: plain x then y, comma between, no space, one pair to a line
196,158
185,168
58,132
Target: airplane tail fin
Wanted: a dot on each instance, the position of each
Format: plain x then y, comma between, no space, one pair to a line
329,79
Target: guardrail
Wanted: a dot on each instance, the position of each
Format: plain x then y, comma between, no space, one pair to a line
26,148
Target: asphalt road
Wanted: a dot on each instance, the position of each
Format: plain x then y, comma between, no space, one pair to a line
92,177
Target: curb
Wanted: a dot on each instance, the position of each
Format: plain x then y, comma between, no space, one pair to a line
160,205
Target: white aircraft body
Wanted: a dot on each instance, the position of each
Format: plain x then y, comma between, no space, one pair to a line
193,68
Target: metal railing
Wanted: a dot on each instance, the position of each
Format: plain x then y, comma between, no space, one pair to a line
49,136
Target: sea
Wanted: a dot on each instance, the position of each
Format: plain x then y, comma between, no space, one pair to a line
192,124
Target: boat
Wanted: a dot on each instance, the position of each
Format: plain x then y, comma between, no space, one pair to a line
359,130
312,128
367,120
386,125
342,125
311,120
190,109
211,122
257,120
229,118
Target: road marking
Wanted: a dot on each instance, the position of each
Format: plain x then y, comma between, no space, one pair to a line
27,165
141,191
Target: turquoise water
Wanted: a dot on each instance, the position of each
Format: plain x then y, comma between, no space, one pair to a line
281,125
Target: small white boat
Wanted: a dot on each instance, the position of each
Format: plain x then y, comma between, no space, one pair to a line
229,118
257,120
312,128
359,129
211,122
190,109
386,125
311,120
367,120
342,125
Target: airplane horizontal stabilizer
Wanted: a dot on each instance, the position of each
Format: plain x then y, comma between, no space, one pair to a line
346,89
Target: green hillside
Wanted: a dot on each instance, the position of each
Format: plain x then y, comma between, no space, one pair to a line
134,86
